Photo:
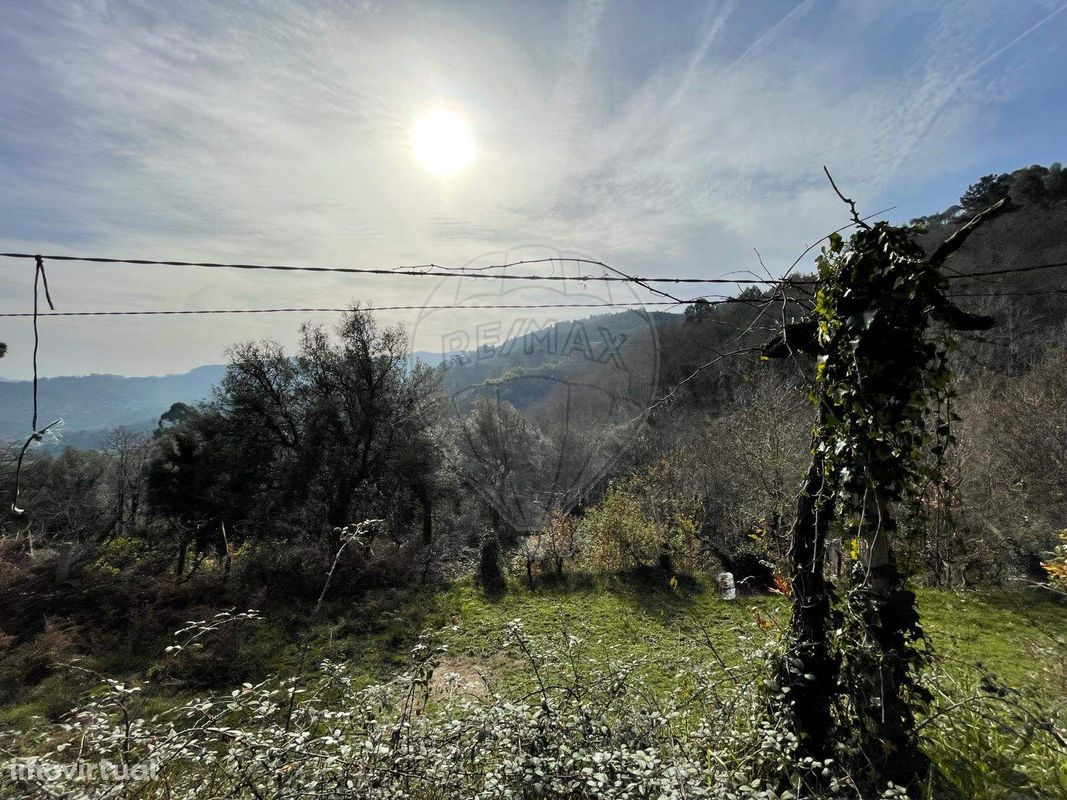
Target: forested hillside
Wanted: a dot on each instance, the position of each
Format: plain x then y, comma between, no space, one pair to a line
93,405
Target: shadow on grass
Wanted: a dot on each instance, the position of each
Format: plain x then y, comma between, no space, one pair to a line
649,589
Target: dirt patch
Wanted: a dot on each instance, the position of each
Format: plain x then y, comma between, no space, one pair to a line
458,676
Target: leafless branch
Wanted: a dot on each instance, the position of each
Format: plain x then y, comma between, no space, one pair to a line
856,219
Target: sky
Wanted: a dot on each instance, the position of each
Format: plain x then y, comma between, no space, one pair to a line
669,138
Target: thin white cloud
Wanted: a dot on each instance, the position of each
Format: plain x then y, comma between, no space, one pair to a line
798,11
701,52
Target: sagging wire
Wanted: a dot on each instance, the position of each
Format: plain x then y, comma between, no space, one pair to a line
420,270
40,278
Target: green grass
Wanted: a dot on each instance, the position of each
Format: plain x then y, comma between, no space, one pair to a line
658,628
618,621
1008,633
1017,636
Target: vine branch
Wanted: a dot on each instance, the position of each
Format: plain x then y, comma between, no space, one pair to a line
856,218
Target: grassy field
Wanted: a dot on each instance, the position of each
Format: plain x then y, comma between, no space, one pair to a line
987,644
1011,645
1009,634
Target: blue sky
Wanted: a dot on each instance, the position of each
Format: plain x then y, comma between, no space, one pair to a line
666,138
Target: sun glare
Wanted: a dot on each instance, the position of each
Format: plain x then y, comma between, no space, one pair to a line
442,143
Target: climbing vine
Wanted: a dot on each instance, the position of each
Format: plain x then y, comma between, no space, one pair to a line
883,390
881,369
884,379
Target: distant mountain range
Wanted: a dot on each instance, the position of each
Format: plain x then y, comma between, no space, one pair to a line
92,405
537,365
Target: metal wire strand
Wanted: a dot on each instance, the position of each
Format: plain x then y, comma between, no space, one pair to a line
40,278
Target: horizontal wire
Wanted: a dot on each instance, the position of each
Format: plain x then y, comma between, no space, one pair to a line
461,272
367,308
457,307
715,300
1035,293
1005,271
420,270
423,270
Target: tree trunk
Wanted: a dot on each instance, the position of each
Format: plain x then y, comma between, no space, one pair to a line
810,668
135,502
337,513
122,507
427,512
183,548
225,552
884,668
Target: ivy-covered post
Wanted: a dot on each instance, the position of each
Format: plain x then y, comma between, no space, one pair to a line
881,373
809,668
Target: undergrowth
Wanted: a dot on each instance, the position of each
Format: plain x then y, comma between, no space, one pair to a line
606,688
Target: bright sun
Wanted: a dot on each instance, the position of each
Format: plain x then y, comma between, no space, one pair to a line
442,143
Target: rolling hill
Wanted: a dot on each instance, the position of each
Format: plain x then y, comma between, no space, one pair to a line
91,405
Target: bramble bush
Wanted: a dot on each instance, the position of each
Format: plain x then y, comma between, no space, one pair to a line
594,735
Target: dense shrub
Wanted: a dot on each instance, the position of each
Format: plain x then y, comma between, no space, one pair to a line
633,528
